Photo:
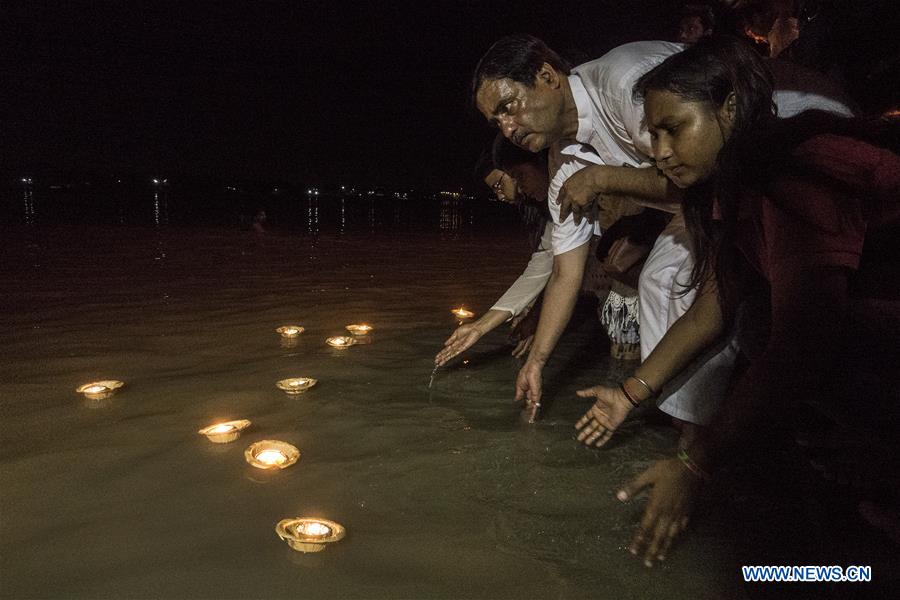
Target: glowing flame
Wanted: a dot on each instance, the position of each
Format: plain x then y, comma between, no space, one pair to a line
759,39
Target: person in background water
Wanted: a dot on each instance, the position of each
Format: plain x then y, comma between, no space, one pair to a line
802,212
528,189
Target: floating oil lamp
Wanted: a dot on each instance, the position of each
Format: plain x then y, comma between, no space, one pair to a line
309,534
340,341
271,454
290,331
99,390
462,314
222,433
360,329
296,385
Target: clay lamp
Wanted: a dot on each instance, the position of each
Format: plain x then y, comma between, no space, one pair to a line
271,454
222,433
309,534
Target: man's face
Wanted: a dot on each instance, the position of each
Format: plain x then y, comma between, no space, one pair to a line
529,117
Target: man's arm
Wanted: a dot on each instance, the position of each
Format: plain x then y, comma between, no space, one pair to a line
559,301
645,186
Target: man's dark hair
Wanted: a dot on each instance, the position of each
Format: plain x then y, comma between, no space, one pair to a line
518,57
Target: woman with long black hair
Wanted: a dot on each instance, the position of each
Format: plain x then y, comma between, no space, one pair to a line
803,213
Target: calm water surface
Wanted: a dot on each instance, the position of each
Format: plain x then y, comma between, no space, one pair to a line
444,492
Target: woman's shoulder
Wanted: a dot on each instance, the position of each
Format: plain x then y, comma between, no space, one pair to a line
858,155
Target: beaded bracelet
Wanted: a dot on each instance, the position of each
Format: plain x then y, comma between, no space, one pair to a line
627,395
691,465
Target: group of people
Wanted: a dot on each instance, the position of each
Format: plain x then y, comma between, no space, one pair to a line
771,278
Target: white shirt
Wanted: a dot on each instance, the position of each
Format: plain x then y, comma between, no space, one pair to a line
609,119
567,235
533,279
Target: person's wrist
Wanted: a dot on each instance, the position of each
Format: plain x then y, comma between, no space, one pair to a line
688,463
598,179
536,360
637,390
623,400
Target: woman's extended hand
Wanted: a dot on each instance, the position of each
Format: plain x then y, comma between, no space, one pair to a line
673,491
463,338
601,420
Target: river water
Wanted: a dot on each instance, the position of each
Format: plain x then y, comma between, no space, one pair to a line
444,492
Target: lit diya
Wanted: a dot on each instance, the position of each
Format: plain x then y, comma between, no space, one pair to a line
360,329
290,331
222,433
309,534
462,314
271,454
296,385
99,390
340,341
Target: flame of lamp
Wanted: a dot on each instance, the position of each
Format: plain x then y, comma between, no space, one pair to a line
271,454
360,329
99,390
462,313
222,433
296,385
306,534
340,341
290,331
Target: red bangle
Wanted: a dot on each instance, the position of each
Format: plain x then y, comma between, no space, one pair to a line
627,395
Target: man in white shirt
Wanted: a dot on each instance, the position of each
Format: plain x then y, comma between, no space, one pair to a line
589,112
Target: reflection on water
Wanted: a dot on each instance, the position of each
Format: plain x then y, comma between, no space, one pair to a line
160,207
162,203
28,210
444,492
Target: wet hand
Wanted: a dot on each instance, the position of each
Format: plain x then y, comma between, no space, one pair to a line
463,338
597,425
672,494
528,388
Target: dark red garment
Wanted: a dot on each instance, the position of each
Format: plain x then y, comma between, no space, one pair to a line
819,212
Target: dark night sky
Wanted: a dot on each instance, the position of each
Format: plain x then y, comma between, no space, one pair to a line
310,92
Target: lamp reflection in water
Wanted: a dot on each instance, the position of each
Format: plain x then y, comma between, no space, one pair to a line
222,433
271,454
308,534
296,385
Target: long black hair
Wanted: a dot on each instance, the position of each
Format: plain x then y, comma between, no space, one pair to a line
710,72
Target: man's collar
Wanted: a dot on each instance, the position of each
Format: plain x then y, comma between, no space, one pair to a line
579,150
583,104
